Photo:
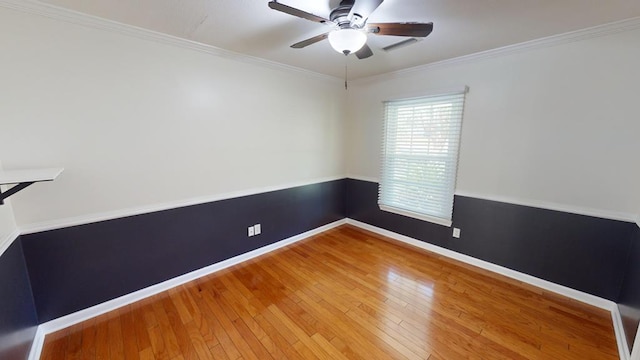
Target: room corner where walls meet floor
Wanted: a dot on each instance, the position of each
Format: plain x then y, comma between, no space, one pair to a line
317,206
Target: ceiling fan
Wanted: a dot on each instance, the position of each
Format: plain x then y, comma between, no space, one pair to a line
349,20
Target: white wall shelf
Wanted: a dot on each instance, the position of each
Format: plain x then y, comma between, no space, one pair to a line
24,178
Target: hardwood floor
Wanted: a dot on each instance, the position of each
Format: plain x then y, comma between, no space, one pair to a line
345,294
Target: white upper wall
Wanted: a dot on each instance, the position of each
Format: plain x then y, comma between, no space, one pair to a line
137,123
557,126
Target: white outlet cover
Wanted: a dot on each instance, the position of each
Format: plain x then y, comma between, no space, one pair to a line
251,231
456,233
257,229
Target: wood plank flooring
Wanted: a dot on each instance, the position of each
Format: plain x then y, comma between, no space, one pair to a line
345,294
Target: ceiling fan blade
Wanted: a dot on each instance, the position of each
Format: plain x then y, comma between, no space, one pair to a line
361,10
364,52
313,40
401,29
296,12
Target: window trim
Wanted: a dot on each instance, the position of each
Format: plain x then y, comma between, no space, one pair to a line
416,215
433,92
432,219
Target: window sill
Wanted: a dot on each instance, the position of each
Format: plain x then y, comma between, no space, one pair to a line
431,219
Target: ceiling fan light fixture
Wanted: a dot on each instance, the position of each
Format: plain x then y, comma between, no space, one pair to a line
347,41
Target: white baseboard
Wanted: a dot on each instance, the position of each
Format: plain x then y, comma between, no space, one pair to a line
583,297
37,344
618,327
82,315
544,284
635,354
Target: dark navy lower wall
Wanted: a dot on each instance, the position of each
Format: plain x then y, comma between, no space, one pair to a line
581,252
77,267
629,302
18,321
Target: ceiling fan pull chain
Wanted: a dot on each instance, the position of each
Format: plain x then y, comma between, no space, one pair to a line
345,73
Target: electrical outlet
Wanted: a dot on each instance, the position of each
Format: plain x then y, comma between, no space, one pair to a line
456,233
251,230
257,229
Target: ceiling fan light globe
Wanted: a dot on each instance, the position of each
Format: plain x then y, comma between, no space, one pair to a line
347,41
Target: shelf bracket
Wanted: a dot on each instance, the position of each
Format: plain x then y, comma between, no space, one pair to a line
13,190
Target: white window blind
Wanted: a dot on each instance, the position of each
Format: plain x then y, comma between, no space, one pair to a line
420,156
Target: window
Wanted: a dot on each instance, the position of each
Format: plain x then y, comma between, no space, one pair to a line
420,156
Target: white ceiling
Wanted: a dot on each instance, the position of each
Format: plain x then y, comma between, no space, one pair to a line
461,27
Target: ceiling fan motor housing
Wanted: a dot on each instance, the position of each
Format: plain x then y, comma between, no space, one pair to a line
340,15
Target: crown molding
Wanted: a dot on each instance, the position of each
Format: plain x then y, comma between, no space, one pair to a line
549,41
82,19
